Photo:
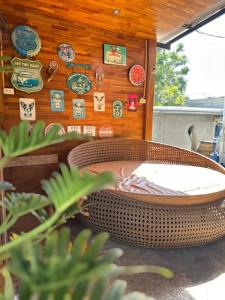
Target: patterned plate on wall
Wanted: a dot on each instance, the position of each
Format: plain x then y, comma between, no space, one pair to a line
61,128
137,75
79,83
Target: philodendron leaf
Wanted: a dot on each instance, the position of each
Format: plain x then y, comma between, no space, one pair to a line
4,185
20,140
65,189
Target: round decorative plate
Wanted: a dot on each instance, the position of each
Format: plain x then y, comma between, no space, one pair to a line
66,52
61,131
79,83
137,75
26,41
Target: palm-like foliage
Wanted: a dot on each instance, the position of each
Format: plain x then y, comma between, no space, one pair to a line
63,191
20,141
61,270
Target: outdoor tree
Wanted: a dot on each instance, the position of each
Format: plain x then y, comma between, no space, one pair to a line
171,71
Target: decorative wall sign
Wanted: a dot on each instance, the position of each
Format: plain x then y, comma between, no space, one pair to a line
61,128
137,75
78,108
26,41
105,130
117,109
74,128
115,55
66,52
79,83
89,130
52,69
99,101
27,109
57,100
74,65
132,102
26,75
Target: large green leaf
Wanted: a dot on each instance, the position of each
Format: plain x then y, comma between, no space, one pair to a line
68,187
20,141
4,185
59,270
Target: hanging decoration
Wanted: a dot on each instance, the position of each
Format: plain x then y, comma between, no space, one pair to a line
57,100
27,109
89,130
61,128
132,102
52,69
79,83
26,41
137,75
99,75
78,108
66,52
99,101
26,75
105,131
117,109
115,55
74,128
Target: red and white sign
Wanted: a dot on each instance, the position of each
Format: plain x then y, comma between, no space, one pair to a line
137,75
105,130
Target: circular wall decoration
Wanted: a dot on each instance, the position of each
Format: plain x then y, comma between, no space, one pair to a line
79,83
61,130
137,75
66,52
26,41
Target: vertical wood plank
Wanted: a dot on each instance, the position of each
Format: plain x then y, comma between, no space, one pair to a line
150,83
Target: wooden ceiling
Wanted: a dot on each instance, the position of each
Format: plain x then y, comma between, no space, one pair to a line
153,19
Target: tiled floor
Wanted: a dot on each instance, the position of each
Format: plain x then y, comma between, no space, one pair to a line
199,273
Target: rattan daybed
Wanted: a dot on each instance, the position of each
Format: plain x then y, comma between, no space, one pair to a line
164,218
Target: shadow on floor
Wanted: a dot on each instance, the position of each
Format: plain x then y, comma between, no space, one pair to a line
191,267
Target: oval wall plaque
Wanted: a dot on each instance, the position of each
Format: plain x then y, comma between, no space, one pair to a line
66,52
137,75
79,83
26,41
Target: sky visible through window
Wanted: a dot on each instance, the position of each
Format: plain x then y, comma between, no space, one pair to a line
206,57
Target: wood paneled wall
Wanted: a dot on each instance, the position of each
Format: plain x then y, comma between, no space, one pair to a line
88,44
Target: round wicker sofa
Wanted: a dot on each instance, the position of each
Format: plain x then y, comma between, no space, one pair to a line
153,221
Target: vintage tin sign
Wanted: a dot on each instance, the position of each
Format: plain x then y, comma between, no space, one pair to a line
137,75
79,83
61,128
66,52
105,131
78,108
74,128
57,100
26,75
115,55
117,109
89,130
27,109
26,41
99,101
132,102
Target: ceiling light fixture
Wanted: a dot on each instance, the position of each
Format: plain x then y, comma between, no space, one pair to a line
116,11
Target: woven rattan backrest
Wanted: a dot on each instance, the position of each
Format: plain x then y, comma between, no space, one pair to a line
125,149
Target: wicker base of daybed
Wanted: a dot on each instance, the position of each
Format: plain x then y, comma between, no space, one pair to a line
154,225
146,224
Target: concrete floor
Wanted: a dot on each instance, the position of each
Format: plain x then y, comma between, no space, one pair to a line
199,273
